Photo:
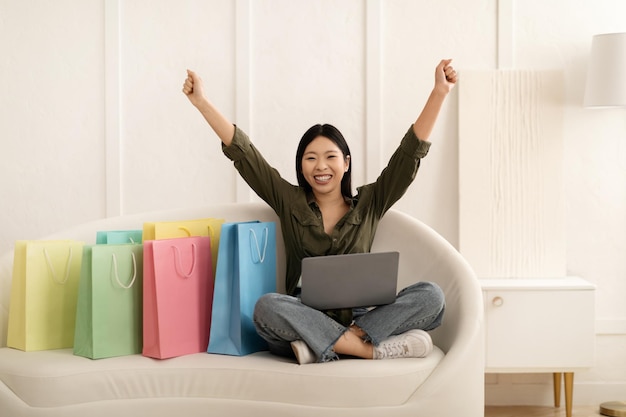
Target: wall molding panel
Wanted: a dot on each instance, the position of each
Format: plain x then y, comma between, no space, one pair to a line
373,91
611,326
243,94
505,39
112,108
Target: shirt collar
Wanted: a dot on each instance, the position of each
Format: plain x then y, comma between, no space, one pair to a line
310,199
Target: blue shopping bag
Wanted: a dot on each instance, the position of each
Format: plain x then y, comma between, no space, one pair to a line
246,269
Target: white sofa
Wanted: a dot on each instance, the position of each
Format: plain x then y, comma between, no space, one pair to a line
449,382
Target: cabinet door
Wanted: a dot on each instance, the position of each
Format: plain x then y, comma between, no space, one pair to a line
540,329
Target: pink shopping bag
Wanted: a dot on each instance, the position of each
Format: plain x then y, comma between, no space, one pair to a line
177,296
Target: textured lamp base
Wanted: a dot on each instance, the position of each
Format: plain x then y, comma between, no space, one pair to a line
613,409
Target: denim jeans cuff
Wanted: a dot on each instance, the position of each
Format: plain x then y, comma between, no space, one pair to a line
368,338
329,354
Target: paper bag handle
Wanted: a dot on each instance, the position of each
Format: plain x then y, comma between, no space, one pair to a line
117,276
256,242
210,229
178,263
67,267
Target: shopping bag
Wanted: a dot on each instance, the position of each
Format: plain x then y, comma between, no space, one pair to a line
114,237
42,308
185,228
109,306
246,269
177,296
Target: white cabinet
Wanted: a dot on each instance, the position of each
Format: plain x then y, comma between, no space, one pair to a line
540,325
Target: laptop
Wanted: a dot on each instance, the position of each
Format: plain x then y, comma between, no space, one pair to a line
350,280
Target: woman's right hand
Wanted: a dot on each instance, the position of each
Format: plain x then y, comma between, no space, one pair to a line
193,88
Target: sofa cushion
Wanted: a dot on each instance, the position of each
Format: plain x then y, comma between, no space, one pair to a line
56,378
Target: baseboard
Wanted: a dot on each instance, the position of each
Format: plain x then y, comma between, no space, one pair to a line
585,394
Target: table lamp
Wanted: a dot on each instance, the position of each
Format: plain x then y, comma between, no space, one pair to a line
606,77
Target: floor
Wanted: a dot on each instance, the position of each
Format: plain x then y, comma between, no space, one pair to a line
510,411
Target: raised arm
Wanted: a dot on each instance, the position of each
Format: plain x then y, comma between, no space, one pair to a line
445,79
194,90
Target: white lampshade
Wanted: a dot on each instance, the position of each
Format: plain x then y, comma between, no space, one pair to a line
606,77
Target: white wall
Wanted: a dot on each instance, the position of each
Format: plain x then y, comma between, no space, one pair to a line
557,35
93,123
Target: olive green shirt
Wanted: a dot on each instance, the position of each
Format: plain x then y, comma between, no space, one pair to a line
300,217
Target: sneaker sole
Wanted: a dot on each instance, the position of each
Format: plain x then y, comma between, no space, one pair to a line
302,357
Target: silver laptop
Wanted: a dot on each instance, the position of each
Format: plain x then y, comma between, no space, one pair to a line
348,281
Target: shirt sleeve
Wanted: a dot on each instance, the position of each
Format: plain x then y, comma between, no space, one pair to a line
400,172
239,146
256,171
413,146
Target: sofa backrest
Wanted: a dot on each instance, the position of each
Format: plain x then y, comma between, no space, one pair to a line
424,255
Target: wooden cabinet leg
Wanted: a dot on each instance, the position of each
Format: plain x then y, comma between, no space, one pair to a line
556,377
569,393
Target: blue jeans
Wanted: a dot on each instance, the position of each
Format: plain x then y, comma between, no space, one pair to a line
280,319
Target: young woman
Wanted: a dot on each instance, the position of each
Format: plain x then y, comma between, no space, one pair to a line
320,216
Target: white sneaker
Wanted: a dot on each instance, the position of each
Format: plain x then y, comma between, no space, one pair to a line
411,344
303,352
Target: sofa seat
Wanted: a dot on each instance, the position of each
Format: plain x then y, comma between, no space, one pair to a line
57,378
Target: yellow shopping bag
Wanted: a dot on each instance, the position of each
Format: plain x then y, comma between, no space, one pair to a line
44,290
186,228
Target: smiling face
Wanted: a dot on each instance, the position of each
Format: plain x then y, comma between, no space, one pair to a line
323,166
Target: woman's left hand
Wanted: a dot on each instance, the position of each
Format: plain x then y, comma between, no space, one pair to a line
445,76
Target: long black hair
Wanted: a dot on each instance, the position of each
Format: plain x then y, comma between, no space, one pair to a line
332,133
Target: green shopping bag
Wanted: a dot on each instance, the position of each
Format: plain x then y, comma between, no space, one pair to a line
109,308
44,290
